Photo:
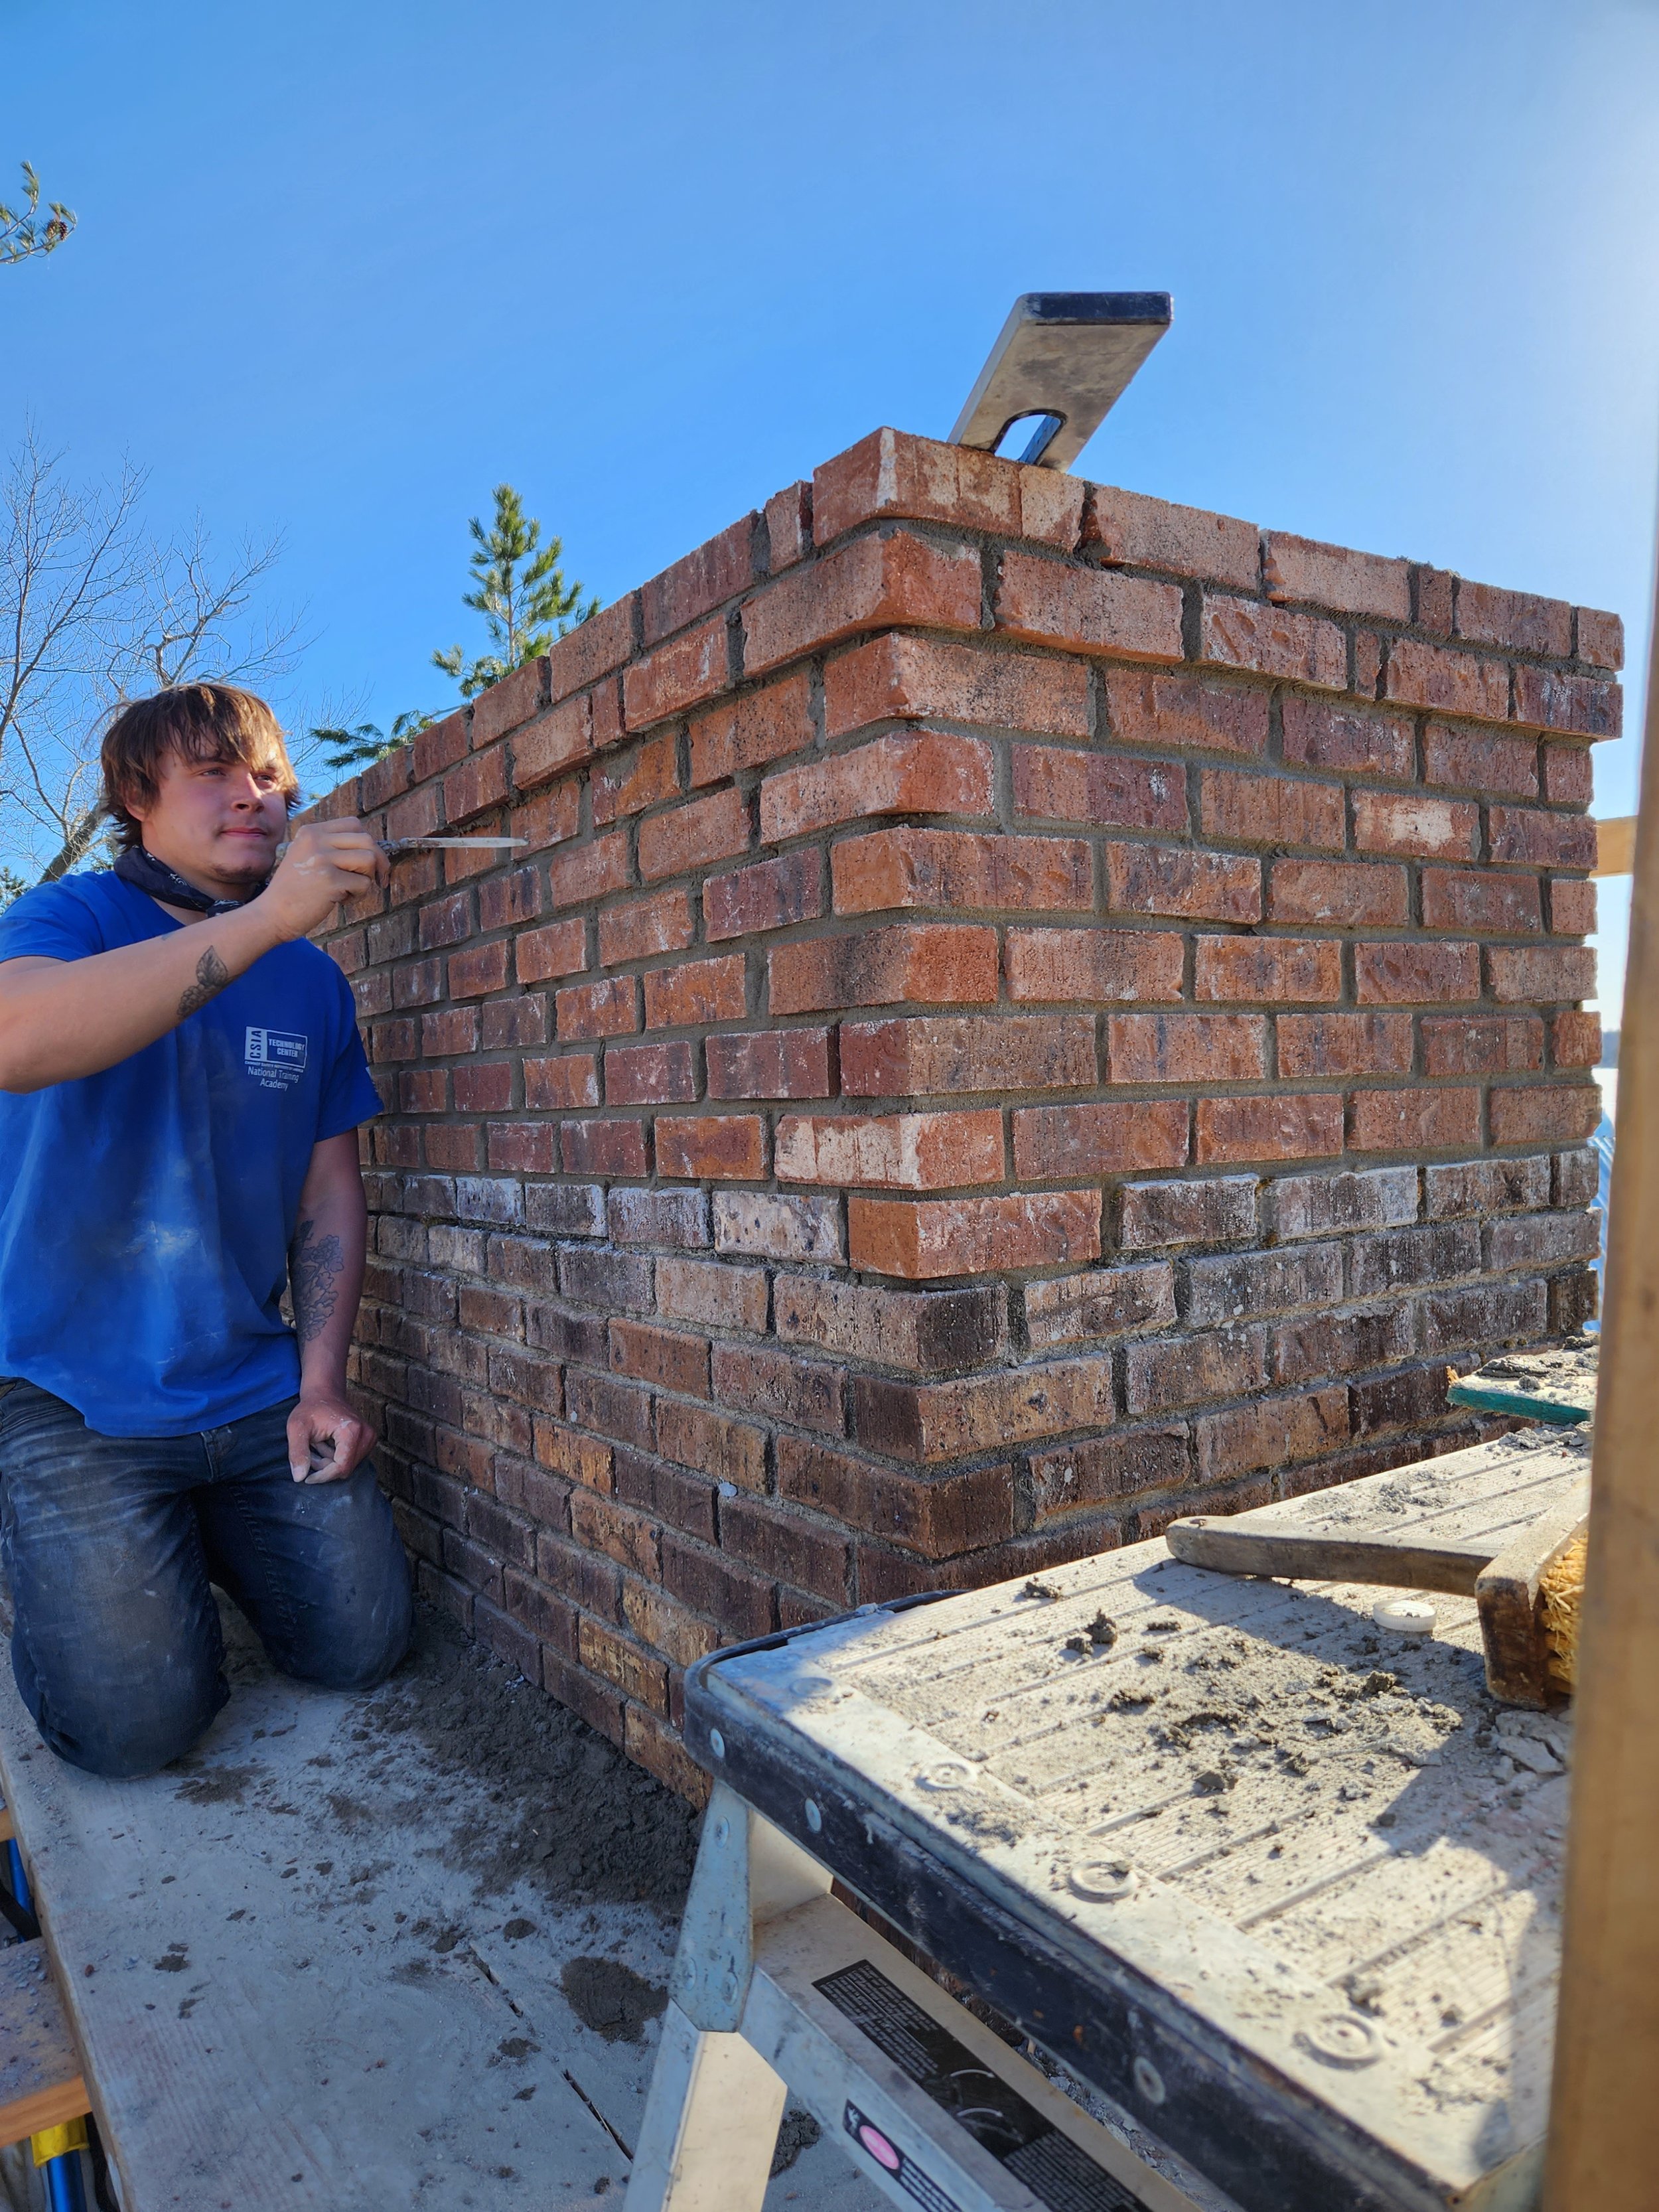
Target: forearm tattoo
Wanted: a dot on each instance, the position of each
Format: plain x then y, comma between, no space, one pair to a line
212,977
315,1270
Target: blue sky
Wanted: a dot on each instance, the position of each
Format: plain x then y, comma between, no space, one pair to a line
342,268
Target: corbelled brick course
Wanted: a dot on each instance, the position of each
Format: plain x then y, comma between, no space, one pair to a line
1025,1010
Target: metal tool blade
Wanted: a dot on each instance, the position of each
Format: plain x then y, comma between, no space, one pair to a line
423,844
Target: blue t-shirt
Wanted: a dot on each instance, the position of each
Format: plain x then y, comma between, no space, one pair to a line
146,1213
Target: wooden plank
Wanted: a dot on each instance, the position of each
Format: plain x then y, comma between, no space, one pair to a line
1615,848
1602,2133
40,2080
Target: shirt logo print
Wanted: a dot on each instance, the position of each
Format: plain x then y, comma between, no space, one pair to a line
276,1058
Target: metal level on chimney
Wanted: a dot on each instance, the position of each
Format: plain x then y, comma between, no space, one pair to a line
1062,361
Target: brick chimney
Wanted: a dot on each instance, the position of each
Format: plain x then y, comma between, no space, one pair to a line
1026,1011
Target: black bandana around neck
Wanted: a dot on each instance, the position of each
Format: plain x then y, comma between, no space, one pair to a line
146,874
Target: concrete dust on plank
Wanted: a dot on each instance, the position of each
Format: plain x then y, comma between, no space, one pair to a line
409,1947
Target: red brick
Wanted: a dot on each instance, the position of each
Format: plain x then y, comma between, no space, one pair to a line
1265,638
893,473
1568,774
959,870
682,674
1088,610
1517,620
1541,972
550,817
711,1147
512,699
699,582
608,1006
1094,965
438,747
1479,898
807,1393
423,1090
1120,791
769,896
921,1331
1188,1048
1414,1120
587,872
1103,1302
1321,734
522,1148
1575,1041
924,1239
1266,970
1480,761
1572,907
937,1517
1264,810
761,725
926,1422
1553,1113
1479,1045
1415,974
1288,1127
937,1053
481,969
1601,638
447,921
787,1545
724,1450
454,1030
661,923
419,815
382,782
509,900
1273,1432
694,992
1211,1363
928,962
1351,894
558,741
693,833
649,1074
454,1148
603,1148
664,1356
1110,1139
1147,708
1134,531
713,1294
740,1602
1548,699
902,678
871,584
1415,826
1174,880
627,783
775,1227
1153,1215
901,1151
1528,834
788,517
1344,1044
910,772
485,1090
595,646
1333,576
1108,1468
476,784
770,1064
1446,682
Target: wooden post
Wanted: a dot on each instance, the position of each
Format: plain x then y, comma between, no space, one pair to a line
1604,2115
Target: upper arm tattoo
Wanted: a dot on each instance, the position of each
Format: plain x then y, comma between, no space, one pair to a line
212,977
315,1270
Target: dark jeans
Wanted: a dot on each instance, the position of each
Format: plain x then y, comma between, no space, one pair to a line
109,1543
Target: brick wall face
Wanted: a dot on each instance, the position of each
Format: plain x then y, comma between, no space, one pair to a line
1024,1010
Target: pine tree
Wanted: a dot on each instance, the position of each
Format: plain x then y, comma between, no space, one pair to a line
367,742
21,230
521,592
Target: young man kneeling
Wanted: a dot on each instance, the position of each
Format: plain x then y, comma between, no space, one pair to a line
181,1081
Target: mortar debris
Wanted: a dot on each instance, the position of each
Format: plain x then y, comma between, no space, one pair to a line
611,1998
540,1796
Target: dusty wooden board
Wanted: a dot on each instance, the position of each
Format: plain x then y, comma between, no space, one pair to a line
1558,1387
40,2084
296,1971
1435,1525
1337,1934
